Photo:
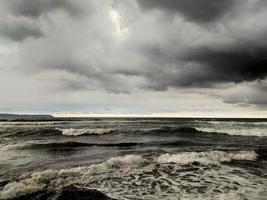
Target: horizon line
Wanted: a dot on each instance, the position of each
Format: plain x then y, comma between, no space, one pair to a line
145,115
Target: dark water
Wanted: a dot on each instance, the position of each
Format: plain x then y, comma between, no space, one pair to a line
135,158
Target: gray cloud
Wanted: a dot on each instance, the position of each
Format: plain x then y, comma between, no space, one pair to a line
22,19
123,51
199,11
231,65
252,94
19,29
33,8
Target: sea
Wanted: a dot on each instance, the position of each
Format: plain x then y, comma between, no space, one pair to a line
134,158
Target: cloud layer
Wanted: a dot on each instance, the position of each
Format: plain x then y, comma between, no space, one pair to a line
34,9
92,48
200,11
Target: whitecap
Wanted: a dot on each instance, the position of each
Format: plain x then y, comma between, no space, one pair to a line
236,131
84,131
210,157
130,166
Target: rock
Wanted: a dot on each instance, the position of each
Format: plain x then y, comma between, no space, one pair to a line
66,193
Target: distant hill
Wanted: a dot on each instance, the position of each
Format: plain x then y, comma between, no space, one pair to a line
15,117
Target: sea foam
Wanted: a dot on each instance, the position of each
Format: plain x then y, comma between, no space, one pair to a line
210,157
256,132
36,181
84,131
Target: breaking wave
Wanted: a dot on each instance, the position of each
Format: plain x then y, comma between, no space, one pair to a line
256,132
102,131
37,181
232,131
185,131
85,131
211,157
172,130
124,165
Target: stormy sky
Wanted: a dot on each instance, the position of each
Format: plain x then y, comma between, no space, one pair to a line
134,57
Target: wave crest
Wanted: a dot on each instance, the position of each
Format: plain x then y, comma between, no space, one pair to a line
37,181
85,131
211,157
256,132
34,182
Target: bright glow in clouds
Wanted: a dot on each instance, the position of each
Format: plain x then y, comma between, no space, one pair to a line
121,31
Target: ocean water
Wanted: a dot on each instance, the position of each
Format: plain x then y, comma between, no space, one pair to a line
135,158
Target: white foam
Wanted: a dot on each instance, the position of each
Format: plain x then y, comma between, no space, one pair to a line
211,157
125,162
240,123
239,131
36,181
16,189
119,167
84,131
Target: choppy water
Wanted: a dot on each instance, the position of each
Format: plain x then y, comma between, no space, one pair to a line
136,158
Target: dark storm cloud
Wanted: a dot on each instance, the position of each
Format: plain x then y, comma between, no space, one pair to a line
19,29
121,47
164,65
35,8
195,10
20,20
206,67
231,65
